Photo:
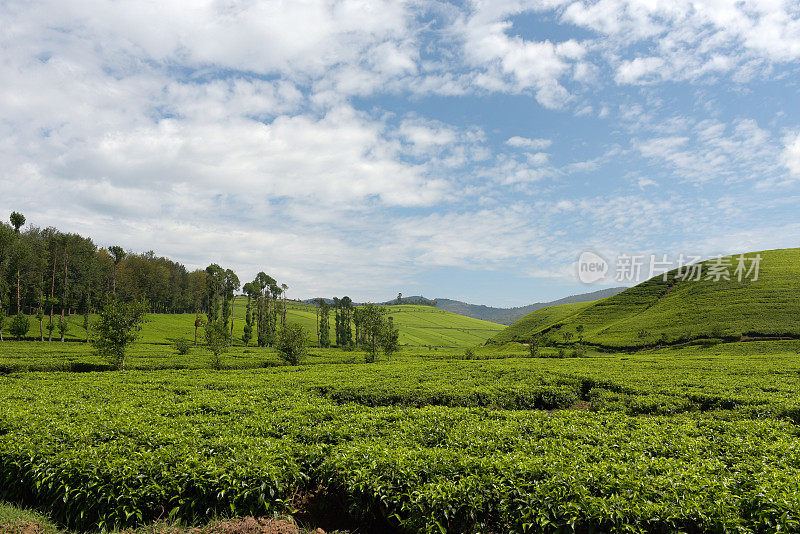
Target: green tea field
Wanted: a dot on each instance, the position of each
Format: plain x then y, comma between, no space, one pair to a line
695,439
680,310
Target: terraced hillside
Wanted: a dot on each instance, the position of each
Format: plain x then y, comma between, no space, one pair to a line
679,309
537,321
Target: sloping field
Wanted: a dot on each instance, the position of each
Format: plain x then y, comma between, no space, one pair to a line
537,321
428,326
679,309
418,325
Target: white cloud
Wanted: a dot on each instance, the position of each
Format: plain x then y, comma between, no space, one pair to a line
524,142
791,153
710,150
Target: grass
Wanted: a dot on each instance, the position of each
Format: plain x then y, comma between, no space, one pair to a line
15,519
418,325
659,312
537,321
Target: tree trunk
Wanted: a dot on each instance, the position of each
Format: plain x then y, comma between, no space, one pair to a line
233,301
284,309
88,315
317,324
65,292
18,308
52,298
41,328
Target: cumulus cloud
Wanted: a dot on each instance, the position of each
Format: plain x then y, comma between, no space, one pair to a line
791,153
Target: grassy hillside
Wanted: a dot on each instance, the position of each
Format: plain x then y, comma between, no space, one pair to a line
418,325
427,326
677,310
537,321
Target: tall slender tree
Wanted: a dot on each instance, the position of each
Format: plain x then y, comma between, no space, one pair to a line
284,287
118,253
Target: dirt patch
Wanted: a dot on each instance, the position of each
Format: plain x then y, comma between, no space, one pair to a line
21,527
251,525
581,405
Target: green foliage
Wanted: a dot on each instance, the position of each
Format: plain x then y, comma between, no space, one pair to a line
117,327
63,325
182,345
533,346
216,338
17,220
390,338
291,345
454,446
679,309
19,326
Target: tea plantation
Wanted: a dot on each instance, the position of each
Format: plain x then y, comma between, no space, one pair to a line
682,308
699,439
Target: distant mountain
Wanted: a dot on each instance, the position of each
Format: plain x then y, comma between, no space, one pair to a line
495,315
510,315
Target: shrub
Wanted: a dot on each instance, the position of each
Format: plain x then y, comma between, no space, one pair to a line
117,327
19,326
182,346
291,343
216,341
469,354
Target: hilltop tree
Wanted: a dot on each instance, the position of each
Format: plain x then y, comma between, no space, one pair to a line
17,220
117,327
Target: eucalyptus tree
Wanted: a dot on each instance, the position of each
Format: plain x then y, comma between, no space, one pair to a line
324,324
372,324
17,220
232,285
337,305
317,303
390,338
251,291
284,287
118,253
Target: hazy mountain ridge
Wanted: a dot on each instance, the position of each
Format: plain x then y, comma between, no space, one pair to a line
510,315
488,313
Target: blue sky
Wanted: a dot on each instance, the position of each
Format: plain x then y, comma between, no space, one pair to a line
468,150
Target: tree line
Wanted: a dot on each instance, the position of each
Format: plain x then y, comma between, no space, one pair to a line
51,274
365,327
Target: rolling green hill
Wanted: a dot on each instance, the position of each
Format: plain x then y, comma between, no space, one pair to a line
418,325
537,321
677,309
